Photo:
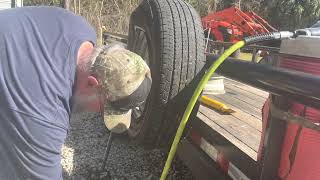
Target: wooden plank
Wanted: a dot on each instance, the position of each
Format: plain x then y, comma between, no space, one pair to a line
243,127
247,118
248,89
243,147
245,87
237,95
239,104
231,87
251,88
242,131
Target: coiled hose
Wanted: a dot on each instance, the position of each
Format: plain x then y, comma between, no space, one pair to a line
205,79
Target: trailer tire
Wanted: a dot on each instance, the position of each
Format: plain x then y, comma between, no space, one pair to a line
169,36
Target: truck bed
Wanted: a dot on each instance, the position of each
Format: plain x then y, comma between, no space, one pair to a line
242,127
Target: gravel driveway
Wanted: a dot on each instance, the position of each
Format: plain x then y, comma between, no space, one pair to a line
85,146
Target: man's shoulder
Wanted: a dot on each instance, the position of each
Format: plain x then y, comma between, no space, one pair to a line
37,9
50,12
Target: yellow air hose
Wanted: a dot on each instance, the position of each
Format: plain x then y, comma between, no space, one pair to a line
193,101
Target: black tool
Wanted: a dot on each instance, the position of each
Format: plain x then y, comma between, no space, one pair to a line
107,152
101,173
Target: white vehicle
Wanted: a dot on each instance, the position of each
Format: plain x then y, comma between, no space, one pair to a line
6,4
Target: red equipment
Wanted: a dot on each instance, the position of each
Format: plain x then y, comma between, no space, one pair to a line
232,25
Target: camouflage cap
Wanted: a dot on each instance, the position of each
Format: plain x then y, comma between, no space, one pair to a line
126,81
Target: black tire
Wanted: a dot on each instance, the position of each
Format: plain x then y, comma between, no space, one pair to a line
169,36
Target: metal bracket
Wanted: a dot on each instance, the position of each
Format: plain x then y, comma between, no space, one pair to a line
289,117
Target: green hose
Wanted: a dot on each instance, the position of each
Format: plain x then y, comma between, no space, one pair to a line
193,101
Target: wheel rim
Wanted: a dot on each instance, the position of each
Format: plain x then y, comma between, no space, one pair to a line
140,47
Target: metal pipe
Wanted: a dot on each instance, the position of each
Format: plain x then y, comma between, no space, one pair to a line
248,47
294,85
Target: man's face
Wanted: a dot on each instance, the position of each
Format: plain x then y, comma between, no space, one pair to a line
87,102
88,95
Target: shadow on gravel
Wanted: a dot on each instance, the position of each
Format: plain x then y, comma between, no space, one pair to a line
84,149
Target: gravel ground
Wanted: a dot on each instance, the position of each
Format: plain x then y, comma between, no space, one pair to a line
85,146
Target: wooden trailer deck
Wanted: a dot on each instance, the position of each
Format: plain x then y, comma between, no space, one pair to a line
243,127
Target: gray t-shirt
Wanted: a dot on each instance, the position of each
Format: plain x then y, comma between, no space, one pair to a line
38,52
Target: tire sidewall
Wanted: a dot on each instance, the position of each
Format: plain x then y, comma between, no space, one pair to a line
146,19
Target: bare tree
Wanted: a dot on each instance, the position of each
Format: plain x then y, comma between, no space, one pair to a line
79,7
65,4
75,6
99,27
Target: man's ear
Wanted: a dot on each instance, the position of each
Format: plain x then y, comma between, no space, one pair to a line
92,81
